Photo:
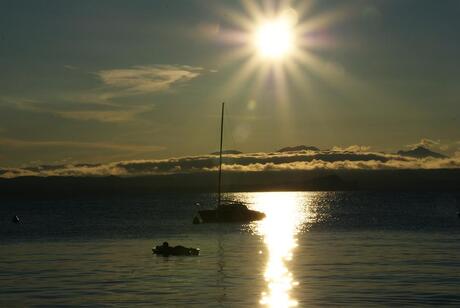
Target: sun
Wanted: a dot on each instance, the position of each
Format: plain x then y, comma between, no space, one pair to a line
274,39
277,45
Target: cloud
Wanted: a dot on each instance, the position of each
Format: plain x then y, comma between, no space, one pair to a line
70,67
106,104
148,79
250,162
85,111
425,142
353,148
447,146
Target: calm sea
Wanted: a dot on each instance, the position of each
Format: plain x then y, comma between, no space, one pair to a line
313,249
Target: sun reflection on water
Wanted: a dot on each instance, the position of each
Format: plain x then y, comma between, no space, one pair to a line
285,213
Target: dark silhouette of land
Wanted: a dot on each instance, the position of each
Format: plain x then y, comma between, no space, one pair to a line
227,152
314,180
194,175
421,152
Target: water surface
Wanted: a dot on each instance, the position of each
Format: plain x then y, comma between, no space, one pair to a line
313,249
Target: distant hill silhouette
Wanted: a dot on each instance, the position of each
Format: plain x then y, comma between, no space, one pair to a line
420,152
227,152
299,148
313,180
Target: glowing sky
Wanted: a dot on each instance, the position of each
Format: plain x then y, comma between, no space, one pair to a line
87,81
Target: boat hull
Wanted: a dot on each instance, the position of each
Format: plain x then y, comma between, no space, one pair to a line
223,216
175,251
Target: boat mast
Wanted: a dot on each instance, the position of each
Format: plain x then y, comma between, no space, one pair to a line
220,154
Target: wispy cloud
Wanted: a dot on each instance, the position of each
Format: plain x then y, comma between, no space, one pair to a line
106,103
425,142
251,162
85,111
70,67
353,148
148,79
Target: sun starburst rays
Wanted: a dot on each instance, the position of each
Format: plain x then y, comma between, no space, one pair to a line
271,42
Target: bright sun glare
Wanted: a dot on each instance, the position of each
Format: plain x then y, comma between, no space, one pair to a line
274,39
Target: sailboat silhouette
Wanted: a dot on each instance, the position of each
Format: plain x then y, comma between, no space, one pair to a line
226,210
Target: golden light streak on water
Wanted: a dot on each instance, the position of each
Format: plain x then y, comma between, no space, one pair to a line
285,213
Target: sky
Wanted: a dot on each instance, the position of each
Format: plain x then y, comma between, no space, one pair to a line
107,81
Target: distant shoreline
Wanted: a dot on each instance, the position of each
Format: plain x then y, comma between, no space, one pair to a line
314,180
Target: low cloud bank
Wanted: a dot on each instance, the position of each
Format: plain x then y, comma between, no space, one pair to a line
250,162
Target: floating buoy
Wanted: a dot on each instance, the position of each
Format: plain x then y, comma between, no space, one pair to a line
16,219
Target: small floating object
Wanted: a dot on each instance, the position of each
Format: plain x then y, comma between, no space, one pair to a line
166,250
16,219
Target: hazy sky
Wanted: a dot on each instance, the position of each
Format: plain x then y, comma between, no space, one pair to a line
98,81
